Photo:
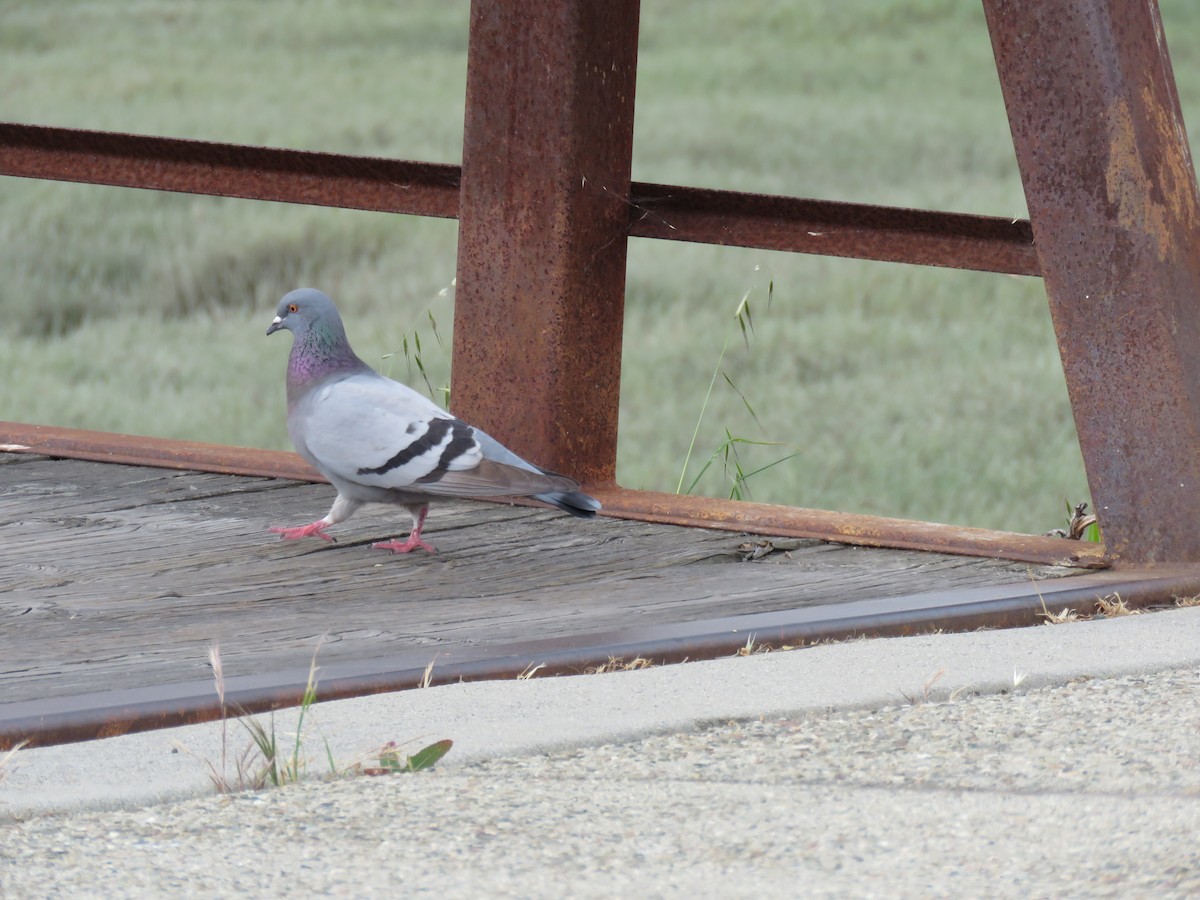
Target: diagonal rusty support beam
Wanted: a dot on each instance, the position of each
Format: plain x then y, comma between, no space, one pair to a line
1115,212
543,223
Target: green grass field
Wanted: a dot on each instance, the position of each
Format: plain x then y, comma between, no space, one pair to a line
901,390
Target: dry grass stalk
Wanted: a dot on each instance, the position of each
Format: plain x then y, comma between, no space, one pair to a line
1113,605
427,677
619,664
8,757
530,670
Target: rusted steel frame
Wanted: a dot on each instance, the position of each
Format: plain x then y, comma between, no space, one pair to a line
229,170
661,211
831,228
1115,212
646,506
847,528
131,450
543,221
100,715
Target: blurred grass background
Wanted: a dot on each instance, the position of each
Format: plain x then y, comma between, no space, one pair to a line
903,391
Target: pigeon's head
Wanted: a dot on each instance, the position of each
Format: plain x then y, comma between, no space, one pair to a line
301,309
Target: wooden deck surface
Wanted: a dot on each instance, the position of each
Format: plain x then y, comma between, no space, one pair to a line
115,577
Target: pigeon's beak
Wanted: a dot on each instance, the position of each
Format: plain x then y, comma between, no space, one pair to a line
275,325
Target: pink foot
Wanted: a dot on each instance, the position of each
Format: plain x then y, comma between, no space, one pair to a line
414,539
412,543
295,532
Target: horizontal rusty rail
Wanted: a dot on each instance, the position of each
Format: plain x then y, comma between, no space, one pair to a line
647,506
110,714
847,528
228,170
731,218
832,228
162,453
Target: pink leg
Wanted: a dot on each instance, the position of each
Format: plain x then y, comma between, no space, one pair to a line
414,539
295,532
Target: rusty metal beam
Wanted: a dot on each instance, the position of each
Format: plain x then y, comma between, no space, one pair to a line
229,170
109,714
646,506
1115,213
666,212
133,450
547,149
831,228
847,528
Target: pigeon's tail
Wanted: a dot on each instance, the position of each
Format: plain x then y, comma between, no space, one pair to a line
577,503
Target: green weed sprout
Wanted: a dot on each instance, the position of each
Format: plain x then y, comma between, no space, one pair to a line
727,450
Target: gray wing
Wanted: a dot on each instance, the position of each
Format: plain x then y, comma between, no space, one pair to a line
373,431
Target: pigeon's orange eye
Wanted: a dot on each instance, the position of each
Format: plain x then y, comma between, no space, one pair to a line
292,307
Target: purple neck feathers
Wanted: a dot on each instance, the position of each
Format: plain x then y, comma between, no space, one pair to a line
318,354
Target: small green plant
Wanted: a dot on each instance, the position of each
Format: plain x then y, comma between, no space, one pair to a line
1081,525
392,762
414,355
262,764
276,771
727,450
727,453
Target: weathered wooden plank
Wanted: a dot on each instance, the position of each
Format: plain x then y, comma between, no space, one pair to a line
116,576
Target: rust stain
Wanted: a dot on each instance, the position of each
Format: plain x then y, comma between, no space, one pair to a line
1160,203
1130,188
1176,176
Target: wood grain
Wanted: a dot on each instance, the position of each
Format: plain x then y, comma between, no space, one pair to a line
117,576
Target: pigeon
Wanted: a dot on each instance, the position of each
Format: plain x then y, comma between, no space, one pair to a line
379,441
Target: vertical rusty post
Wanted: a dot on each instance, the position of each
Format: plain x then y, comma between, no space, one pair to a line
1114,206
543,224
